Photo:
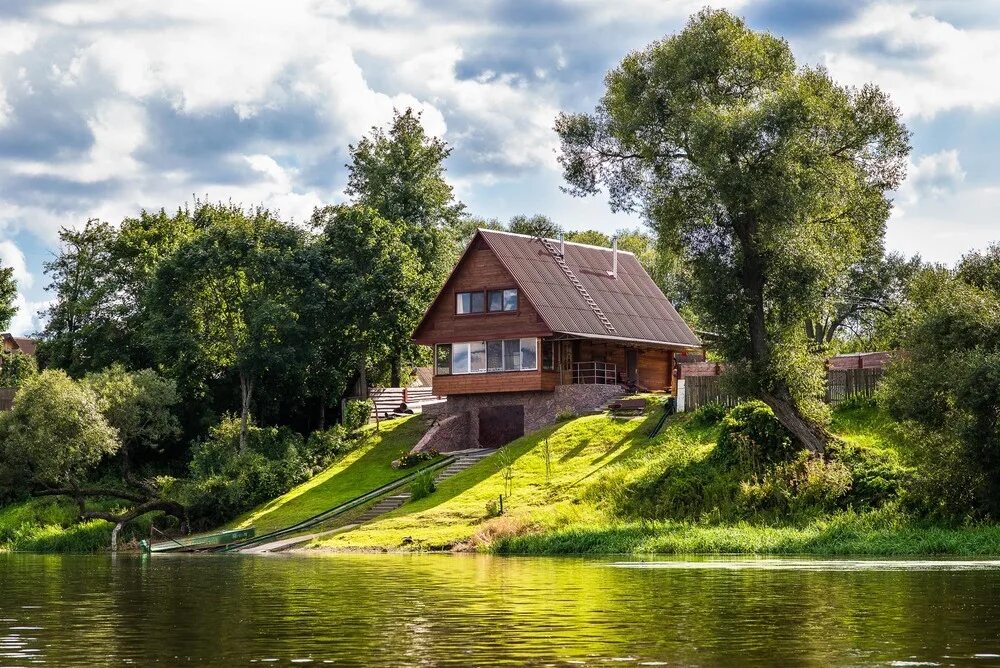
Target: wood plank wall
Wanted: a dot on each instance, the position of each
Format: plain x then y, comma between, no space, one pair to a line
480,270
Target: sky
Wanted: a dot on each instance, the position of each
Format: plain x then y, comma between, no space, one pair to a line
111,106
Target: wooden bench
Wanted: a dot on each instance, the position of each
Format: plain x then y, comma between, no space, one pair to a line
627,407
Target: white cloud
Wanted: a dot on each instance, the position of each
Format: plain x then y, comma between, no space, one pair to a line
932,176
942,228
27,321
11,256
928,65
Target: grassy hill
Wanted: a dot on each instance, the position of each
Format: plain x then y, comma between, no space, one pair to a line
608,488
360,471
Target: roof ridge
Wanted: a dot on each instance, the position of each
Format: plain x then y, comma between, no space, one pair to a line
572,243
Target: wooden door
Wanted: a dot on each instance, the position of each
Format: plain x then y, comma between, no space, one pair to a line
499,425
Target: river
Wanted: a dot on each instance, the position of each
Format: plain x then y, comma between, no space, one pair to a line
396,610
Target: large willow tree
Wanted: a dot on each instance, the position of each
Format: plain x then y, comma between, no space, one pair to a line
769,177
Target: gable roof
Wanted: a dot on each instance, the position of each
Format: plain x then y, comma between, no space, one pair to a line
632,302
22,343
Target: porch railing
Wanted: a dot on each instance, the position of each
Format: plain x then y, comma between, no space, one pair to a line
595,373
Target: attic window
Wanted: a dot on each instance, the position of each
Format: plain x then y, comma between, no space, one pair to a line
470,302
502,300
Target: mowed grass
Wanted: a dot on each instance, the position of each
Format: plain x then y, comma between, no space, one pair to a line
360,471
572,509
540,496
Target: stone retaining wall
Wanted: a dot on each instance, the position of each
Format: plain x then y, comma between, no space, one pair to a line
540,409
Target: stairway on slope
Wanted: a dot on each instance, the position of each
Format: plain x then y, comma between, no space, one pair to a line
464,459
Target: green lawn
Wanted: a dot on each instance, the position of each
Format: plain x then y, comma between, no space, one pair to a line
456,513
593,460
358,472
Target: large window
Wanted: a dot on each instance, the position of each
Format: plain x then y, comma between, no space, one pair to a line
494,355
529,354
487,356
469,302
443,357
512,355
477,357
460,358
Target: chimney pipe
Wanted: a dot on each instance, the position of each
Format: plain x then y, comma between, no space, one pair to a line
562,244
614,258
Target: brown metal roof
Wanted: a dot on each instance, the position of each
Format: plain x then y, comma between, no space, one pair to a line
632,302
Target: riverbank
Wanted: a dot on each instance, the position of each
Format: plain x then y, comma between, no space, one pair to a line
599,485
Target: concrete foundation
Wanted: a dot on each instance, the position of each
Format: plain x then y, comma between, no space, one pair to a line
458,424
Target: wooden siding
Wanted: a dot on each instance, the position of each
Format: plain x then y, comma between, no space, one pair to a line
654,364
484,383
479,270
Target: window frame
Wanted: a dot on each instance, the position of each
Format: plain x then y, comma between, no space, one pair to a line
438,348
455,355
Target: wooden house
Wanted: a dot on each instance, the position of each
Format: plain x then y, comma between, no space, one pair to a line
521,317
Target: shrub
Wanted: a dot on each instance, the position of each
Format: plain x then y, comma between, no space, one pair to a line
357,412
565,415
410,459
709,415
225,482
493,508
422,485
323,447
879,476
751,437
16,367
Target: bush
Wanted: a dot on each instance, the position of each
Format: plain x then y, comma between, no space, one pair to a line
409,460
752,438
879,476
422,485
225,482
709,415
323,447
357,412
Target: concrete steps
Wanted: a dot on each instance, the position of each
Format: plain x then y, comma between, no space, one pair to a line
464,460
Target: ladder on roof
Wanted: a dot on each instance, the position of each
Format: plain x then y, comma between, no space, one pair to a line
557,256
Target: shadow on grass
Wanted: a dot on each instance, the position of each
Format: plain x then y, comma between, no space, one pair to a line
369,471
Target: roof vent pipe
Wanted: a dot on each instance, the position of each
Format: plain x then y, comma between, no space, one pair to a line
614,257
562,244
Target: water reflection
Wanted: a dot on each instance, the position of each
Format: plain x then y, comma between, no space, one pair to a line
466,610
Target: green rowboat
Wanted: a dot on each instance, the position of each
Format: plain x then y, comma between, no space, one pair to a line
199,543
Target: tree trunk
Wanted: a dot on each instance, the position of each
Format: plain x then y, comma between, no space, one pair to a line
363,378
114,536
395,371
246,390
322,411
774,392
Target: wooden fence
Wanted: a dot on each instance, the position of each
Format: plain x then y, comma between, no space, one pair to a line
845,383
847,376
388,399
701,390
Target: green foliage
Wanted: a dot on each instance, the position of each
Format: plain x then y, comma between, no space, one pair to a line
410,459
322,448
16,367
225,481
589,237
535,226
357,412
752,438
137,404
767,178
422,486
227,300
377,287
946,392
709,415
55,435
81,332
